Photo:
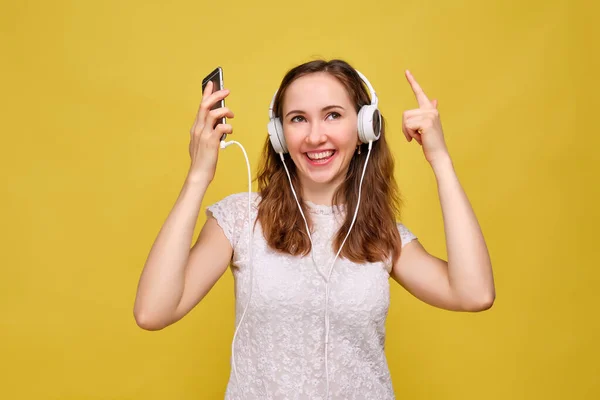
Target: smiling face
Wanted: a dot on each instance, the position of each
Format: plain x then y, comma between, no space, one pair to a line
320,127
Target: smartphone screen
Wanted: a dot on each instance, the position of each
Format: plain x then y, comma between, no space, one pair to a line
216,77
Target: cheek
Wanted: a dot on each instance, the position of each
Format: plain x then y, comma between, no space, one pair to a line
293,136
347,136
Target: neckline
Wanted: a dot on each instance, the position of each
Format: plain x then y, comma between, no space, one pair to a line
320,209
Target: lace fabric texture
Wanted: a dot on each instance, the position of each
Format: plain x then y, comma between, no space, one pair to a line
279,350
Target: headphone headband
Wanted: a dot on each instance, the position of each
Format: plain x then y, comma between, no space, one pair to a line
374,99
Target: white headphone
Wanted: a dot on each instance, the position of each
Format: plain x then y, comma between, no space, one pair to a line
369,121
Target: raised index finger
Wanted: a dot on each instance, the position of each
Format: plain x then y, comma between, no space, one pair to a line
422,98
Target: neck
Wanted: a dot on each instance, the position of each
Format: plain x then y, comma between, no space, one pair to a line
319,193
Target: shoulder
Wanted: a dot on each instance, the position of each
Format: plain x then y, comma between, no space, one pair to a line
236,201
240,197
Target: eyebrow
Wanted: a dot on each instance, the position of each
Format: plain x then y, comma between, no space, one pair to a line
323,109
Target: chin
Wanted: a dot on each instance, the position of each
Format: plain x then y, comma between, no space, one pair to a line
320,179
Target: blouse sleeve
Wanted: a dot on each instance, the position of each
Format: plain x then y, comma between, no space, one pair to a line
231,214
405,234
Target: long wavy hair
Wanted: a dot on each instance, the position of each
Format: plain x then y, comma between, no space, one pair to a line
374,236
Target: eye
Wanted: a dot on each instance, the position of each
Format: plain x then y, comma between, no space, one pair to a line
333,115
298,118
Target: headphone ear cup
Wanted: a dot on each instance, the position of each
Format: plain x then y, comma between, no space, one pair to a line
369,123
276,137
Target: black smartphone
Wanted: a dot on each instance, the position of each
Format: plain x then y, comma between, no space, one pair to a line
216,77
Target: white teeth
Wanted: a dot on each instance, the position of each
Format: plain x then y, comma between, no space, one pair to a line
320,155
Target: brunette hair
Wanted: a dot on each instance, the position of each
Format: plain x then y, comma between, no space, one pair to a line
375,235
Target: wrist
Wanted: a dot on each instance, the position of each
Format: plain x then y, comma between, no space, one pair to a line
441,162
200,181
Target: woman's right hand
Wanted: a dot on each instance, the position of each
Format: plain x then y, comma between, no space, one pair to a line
205,137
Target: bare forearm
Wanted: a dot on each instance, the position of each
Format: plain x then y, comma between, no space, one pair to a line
469,264
162,281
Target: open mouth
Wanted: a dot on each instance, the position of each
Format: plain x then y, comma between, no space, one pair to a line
320,157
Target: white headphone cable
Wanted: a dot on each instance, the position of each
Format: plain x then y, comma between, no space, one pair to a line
224,145
335,258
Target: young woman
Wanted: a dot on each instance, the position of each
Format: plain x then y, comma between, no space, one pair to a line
312,287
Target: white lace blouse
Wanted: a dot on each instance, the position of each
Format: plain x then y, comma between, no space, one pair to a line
279,350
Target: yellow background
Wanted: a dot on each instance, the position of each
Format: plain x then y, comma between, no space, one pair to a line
97,102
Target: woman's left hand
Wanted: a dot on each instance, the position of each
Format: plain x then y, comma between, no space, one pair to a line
423,124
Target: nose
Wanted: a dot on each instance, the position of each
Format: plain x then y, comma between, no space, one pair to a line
316,135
